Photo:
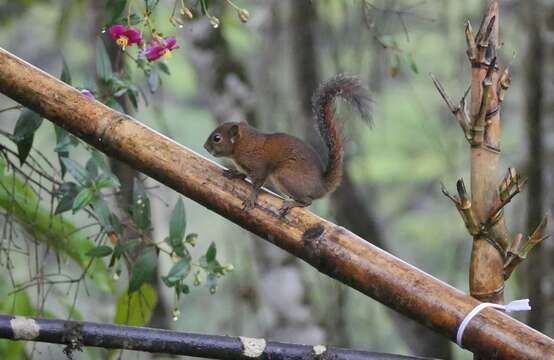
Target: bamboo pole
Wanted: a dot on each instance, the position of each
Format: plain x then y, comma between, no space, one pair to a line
331,249
76,334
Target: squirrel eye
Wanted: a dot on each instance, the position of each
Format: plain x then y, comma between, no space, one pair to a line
217,138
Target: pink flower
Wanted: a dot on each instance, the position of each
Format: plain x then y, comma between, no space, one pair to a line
124,36
161,48
88,94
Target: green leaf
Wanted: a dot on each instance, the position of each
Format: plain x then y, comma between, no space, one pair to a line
143,268
63,141
125,246
135,308
412,63
100,159
140,210
24,148
83,198
109,180
133,97
178,223
163,67
69,191
150,5
102,211
65,76
27,123
122,247
177,227
154,81
178,272
120,92
100,251
115,10
77,171
134,19
103,64
116,225
26,126
91,168
111,102
211,253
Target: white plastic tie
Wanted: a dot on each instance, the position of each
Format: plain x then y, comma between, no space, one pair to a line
516,305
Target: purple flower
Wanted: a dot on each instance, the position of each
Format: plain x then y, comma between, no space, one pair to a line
164,47
88,94
125,36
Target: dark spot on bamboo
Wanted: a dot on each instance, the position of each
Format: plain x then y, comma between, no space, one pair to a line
324,356
312,233
73,337
312,246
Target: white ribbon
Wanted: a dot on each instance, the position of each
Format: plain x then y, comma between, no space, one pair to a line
516,305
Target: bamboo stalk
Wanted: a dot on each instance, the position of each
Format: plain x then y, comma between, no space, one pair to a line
76,334
486,274
331,249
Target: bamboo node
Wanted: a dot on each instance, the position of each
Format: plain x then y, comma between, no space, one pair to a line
492,148
491,113
485,295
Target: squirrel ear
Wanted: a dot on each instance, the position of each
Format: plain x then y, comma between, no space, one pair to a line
234,132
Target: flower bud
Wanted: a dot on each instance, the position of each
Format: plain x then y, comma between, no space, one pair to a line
229,267
185,11
214,21
244,15
176,314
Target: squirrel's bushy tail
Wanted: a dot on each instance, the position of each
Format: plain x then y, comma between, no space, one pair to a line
350,89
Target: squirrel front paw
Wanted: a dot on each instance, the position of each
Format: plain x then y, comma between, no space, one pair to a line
233,174
248,204
284,210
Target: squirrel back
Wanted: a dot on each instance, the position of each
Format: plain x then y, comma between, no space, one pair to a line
350,89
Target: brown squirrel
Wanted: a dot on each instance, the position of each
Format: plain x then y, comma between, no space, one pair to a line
291,165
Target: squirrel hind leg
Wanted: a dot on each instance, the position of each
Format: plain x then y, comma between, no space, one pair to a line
289,204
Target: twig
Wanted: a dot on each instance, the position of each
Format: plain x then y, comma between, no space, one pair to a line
15,107
458,111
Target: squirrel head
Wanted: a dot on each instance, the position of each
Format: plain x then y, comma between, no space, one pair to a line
221,141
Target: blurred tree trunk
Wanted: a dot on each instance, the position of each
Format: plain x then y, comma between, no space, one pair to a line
539,71
225,88
350,207
160,315
306,79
